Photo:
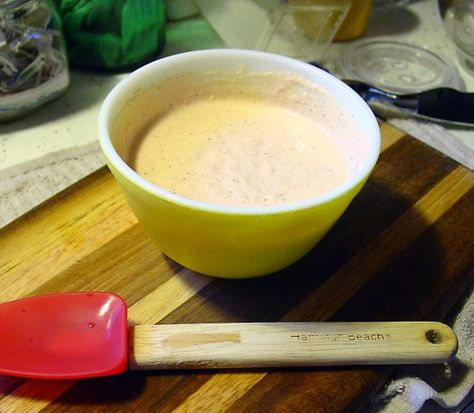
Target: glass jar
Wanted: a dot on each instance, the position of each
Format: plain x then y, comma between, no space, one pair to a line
463,33
33,62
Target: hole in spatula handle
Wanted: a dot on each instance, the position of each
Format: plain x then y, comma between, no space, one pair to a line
434,336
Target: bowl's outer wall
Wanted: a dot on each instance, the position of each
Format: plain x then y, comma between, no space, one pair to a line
232,245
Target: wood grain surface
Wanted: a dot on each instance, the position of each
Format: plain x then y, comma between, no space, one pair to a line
288,344
404,250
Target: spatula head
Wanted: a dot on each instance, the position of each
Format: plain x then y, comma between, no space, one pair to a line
64,336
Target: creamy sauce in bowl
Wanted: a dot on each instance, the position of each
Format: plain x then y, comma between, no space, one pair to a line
248,139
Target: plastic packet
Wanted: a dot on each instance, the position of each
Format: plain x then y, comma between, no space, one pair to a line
111,34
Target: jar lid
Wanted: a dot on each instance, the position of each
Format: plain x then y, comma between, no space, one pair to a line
398,67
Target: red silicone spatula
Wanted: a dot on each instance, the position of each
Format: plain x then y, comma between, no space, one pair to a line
85,334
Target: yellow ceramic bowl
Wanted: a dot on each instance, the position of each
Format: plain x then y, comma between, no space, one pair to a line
225,241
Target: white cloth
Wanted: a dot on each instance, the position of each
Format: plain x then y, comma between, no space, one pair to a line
449,386
27,185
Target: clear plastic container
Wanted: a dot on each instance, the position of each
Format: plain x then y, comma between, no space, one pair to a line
297,28
398,67
33,62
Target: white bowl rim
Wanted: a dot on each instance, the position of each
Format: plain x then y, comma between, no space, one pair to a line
133,177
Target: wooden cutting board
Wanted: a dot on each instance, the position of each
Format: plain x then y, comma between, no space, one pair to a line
404,250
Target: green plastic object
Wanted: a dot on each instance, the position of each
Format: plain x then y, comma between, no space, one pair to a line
112,34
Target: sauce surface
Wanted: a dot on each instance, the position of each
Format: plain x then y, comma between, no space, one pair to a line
242,139
240,151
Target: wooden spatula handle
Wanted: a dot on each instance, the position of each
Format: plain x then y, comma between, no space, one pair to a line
289,344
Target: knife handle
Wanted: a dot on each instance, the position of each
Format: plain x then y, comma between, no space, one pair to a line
448,104
283,344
